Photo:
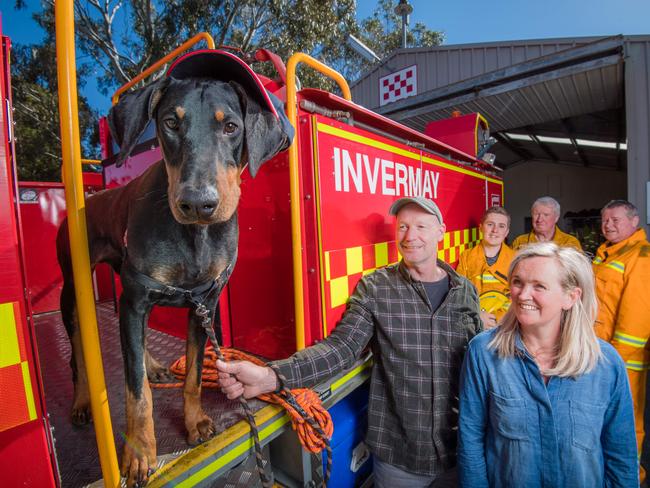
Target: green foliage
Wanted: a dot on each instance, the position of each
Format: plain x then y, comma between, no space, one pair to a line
36,110
118,39
124,37
382,31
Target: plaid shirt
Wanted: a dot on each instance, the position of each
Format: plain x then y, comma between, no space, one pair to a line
418,352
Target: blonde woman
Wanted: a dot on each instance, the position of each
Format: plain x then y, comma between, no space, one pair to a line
543,402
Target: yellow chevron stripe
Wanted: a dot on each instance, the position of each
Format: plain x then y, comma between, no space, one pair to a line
29,393
9,348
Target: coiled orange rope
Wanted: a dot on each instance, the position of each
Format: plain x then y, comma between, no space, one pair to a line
308,400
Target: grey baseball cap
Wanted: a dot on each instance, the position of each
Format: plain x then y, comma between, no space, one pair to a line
424,203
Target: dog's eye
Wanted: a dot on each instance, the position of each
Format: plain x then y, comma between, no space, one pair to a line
230,128
171,124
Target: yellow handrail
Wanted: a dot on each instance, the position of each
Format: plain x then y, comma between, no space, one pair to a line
294,181
74,196
154,67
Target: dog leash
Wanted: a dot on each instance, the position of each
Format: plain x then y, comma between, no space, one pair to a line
311,422
286,395
196,296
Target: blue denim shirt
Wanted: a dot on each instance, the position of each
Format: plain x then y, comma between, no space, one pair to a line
516,431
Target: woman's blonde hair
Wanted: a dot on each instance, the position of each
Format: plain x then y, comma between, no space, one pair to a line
578,350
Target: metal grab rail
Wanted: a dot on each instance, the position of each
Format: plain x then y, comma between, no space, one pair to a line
74,196
162,61
294,181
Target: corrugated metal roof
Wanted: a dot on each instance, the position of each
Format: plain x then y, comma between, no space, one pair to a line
588,87
536,87
446,65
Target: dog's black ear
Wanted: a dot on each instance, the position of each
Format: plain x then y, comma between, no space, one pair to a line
265,133
128,119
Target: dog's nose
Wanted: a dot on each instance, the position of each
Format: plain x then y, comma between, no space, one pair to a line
198,208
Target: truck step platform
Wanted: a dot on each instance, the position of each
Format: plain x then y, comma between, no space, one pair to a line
222,461
76,448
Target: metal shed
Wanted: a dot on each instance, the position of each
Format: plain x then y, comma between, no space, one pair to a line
571,115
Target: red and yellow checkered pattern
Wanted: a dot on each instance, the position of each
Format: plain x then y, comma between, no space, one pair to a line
345,267
17,403
456,242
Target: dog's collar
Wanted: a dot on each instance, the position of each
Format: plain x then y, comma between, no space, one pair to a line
196,296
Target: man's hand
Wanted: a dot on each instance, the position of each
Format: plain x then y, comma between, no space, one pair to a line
489,320
239,378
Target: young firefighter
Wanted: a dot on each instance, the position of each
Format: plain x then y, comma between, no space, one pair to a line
486,265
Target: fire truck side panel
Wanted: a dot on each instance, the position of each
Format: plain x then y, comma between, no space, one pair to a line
259,290
349,177
26,457
360,174
42,209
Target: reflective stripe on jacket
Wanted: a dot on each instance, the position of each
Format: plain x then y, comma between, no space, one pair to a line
560,238
490,281
622,279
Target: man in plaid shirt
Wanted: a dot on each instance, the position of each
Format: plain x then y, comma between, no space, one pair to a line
418,317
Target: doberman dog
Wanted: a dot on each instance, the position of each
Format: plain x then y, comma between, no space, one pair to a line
172,232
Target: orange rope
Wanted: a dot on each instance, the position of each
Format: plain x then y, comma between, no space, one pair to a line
308,400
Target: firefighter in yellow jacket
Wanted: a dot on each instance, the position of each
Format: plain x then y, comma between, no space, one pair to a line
622,269
486,265
545,213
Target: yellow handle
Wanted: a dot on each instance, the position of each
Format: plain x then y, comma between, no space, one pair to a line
294,179
76,208
156,66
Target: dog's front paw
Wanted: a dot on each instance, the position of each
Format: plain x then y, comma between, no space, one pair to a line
156,372
160,375
81,415
200,430
137,466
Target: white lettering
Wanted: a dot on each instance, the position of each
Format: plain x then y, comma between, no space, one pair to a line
426,186
415,182
387,177
435,177
337,169
400,179
352,171
390,177
372,176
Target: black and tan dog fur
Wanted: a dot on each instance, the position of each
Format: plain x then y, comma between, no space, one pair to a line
180,222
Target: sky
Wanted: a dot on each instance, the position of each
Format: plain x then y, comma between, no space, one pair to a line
462,21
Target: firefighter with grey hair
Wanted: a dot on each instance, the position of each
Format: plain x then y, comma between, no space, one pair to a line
545,214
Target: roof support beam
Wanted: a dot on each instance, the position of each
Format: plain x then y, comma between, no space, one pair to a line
543,146
514,147
620,134
568,127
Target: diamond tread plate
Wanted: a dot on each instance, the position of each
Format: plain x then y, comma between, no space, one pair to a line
76,448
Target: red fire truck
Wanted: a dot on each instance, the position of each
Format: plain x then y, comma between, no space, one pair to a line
312,223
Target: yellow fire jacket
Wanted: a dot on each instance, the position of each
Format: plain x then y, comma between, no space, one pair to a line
560,238
622,279
490,281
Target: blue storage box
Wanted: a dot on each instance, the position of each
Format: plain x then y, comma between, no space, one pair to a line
351,460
